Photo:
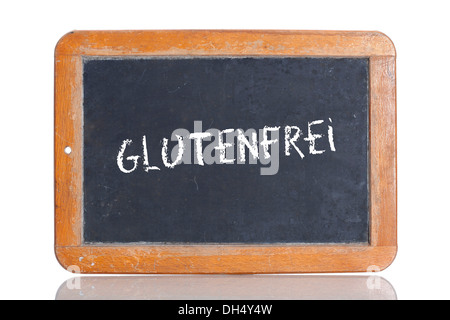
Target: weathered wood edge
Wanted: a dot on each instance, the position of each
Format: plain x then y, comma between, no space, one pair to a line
226,259
226,42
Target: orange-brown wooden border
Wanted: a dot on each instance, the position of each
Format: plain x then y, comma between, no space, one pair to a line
277,258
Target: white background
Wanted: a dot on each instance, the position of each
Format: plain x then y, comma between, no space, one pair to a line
30,30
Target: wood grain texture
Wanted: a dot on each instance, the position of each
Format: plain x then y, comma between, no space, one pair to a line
226,259
69,247
68,133
226,42
383,152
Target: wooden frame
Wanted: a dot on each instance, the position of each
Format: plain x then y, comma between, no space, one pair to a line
290,258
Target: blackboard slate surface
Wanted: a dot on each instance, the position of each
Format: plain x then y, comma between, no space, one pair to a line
318,199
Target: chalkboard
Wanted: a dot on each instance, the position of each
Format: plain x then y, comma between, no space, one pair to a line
310,197
225,151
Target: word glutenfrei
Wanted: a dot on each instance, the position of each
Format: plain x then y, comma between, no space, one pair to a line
214,146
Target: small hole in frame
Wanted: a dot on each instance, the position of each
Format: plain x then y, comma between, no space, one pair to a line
68,150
